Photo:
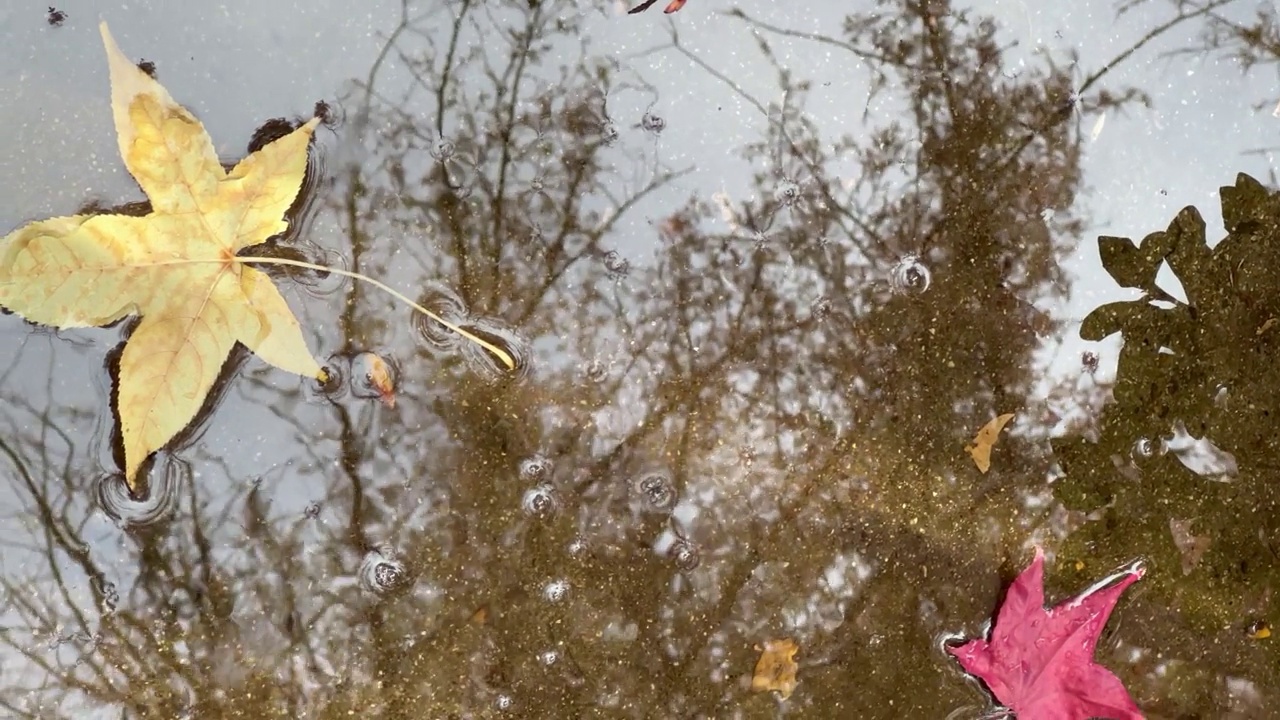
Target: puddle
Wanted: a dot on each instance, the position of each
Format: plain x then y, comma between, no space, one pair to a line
721,303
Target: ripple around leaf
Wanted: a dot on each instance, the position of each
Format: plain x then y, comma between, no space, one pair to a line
485,362
317,284
126,510
445,303
337,369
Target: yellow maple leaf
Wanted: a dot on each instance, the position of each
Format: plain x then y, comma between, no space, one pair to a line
176,267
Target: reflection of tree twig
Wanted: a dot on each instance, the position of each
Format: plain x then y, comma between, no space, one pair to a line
1097,75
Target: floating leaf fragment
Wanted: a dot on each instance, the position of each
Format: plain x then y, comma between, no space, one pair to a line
986,438
377,376
776,668
672,6
1190,547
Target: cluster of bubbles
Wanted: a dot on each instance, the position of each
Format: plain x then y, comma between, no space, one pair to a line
541,501
382,572
657,493
443,340
910,276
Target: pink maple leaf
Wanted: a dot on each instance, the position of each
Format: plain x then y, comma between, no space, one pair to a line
1039,663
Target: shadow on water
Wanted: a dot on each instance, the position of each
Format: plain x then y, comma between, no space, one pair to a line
738,417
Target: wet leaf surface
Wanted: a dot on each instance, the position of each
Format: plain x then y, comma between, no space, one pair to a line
1039,663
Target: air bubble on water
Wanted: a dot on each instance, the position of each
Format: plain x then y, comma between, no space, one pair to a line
820,309
596,371
540,502
656,490
505,702
685,556
609,133
556,591
312,510
484,361
536,469
109,596
447,304
443,149
549,657
910,276
578,547
381,571
616,266
651,123
1143,449
787,192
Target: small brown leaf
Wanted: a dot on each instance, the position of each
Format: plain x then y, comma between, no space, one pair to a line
1191,547
776,668
378,376
986,438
